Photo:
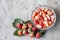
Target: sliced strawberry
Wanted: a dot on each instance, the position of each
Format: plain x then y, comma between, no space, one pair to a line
52,18
45,18
50,23
48,17
43,26
39,26
45,23
36,21
49,12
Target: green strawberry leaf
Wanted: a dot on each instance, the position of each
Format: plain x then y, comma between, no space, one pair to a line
43,32
28,21
16,33
17,20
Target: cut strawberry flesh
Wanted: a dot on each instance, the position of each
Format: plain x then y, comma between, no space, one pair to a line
43,17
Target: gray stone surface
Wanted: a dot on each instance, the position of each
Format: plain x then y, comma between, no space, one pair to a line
11,9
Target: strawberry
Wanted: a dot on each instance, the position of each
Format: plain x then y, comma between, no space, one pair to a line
29,30
19,25
31,34
20,32
38,35
36,21
24,27
39,26
24,31
34,29
29,25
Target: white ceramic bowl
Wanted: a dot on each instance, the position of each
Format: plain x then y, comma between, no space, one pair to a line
47,8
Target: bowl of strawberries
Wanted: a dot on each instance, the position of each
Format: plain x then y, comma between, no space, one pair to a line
43,17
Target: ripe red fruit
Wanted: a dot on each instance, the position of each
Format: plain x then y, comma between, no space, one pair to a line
34,29
38,35
20,32
31,34
24,27
19,25
29,25
26,32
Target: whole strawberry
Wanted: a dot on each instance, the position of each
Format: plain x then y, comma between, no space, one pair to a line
19,25
20,32
24,27
34,29
31,34
38,35
29,25
24,31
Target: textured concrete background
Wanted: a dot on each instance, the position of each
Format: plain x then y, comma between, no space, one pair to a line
11,9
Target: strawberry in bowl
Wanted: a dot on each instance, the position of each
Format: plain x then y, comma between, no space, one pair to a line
43,18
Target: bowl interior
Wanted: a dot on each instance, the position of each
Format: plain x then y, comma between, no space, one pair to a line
47,8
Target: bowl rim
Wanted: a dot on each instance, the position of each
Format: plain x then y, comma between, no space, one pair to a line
44,6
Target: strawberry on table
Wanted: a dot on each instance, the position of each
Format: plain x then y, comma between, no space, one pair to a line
29,25
31,34
24,27
24,31
34,29
19,25
29,30
38,35
20,32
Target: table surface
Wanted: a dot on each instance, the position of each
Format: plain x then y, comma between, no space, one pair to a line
11,9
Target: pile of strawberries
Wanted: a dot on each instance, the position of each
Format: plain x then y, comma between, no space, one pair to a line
27,28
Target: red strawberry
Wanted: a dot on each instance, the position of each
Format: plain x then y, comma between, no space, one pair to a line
34,29
26,33
20,32
19,25
29,25
36,21
38,35
24,27
31,34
